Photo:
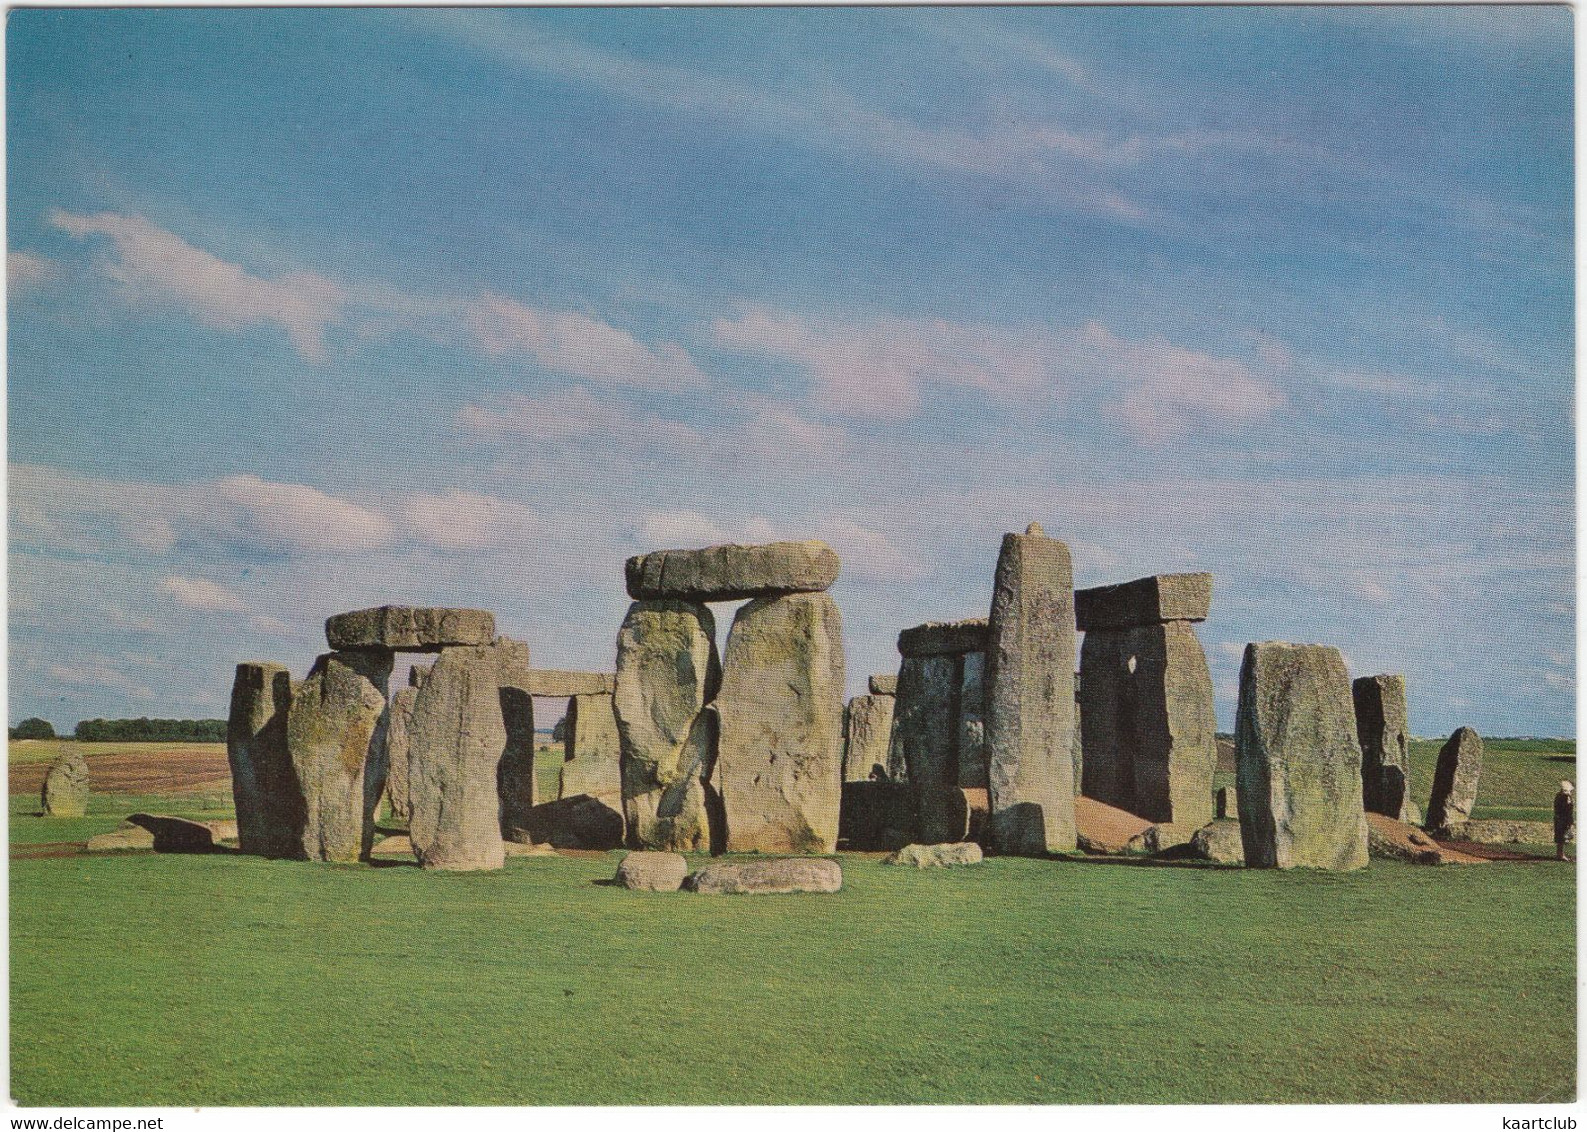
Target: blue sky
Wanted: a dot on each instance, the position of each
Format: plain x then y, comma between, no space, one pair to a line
313,310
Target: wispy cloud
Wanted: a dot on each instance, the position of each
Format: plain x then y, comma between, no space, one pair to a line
201,594
26,271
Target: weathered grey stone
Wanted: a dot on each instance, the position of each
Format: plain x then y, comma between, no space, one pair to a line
884,684
556,684
789,874
1144,601
336,735
868,732
1220,842
944,638
593,751
466,761
581,821
408,628
65,791
946,814
876,816
418,674
667,671
779,763
1455,779
1382,728
1030,700
1148,721
732,572
925,719
652,872
1490,831
972,720
1077,749
1397,841
175,835
1299,761
121,840
936,856
1226,803
398,725
263,787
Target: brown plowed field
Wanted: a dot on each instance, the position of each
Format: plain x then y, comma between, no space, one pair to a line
178,768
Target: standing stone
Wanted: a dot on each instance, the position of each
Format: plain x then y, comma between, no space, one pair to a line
868,731
593,763
972,725
1077,750
263,786
667,671
779,763
1030,699
398,727
1150,731
1455,779
925,727
1298,775
459,743
517,784
65,792
336,735
1226,803
1382,727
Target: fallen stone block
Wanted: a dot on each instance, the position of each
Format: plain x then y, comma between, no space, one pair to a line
773,877
1218,841
175,835
1144,601
1489,831
1299,776
1395,840
732,572
1101,828
582,821
557,685
652,872
405,628
936,856
944,638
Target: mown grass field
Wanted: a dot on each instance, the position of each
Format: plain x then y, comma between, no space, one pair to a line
211,980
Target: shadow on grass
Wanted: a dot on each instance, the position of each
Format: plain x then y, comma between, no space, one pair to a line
1560,759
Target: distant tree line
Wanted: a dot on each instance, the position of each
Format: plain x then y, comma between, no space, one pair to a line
151,731
33,728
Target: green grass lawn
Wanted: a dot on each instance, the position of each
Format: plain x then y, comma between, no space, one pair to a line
233,980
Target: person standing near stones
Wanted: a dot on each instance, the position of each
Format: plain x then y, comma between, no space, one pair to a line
1564,818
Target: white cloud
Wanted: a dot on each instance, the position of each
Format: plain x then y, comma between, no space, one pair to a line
26,271
153,264
576,416
579,345
681,529
274,626
296,515
201,594
465,520
879,368
869,554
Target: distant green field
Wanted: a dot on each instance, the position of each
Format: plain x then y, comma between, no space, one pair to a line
1519,776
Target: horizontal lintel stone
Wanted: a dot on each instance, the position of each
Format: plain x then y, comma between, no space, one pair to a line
1144,601
406,628
944,638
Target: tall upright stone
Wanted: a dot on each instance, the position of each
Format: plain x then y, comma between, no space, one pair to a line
264,788
459,745
938,730
925,719
667,672
1298,773
779,762
972,721
593,753
1030,698
517,783
65,791
1455,779
1384,732
1146,705
867,731
398,726
336,735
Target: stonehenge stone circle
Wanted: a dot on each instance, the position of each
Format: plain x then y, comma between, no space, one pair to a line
1145,601
592,761
936,856
774,877
1298,772
867,737
336,735
555,684
1384,732
398,726
779,763
1146,710
1455,779
263,785
938,735
667,672
65,790
462,746
884,684
732,573
405,628
1030,700
646,871
972,723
